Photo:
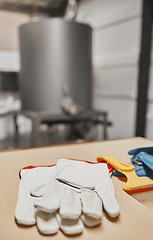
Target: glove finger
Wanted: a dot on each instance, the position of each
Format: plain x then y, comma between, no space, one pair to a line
91,204
24,212
70,205
90,221
104,188
109,201
47,223
70,226
111,206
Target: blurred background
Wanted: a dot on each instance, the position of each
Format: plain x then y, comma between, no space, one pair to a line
67,64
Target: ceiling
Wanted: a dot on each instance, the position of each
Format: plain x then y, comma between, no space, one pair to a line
51,8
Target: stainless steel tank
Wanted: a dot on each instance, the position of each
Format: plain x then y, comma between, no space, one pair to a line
54,52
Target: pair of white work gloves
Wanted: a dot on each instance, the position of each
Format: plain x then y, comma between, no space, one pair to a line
65,196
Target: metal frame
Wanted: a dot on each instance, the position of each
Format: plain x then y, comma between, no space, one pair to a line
38,118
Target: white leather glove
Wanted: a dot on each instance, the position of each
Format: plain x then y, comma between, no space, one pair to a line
34,182
53,195
96,190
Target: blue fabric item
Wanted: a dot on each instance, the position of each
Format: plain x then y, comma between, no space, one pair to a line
135,151
117,174
142,160
141,170
145,158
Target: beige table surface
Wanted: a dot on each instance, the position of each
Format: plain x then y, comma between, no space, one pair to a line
135,220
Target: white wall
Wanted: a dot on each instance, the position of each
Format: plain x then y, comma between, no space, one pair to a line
116,48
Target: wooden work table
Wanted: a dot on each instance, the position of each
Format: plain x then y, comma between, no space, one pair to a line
135,220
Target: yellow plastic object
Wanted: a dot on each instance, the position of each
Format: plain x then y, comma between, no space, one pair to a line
134,183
